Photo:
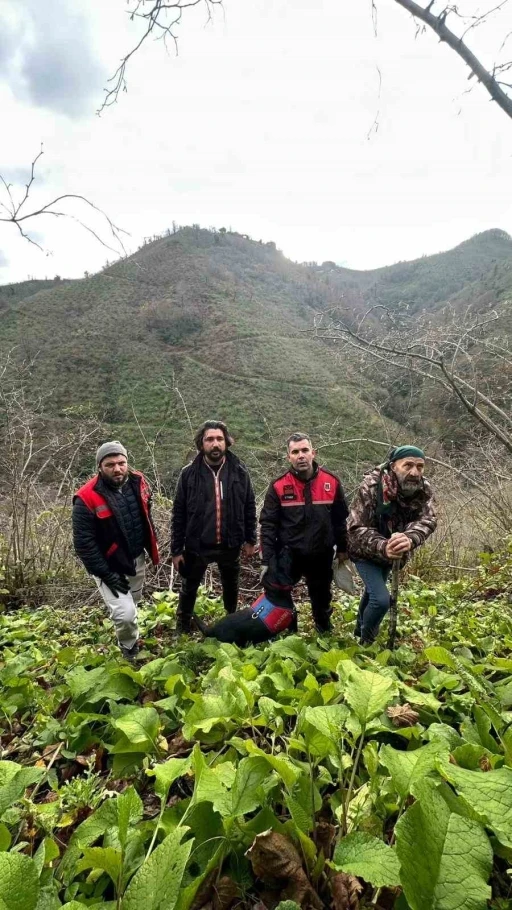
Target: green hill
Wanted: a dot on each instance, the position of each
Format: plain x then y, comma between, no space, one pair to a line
426,283
201,323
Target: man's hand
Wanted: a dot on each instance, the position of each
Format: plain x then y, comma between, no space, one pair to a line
178,561
249,549
118,584
397,545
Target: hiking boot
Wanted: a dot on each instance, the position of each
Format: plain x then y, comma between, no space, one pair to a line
130,654
183,625
323,628
199,625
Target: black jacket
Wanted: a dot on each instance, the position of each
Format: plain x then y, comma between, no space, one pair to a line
239,507
106,531
309,516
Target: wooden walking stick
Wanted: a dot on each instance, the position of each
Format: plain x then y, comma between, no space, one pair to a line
393,606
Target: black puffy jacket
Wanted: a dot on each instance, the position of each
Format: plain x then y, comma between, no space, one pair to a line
106,532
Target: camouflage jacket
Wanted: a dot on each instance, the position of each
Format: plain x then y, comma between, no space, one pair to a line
415,517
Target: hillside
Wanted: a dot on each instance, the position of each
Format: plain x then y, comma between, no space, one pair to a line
215,324
428,282
201,323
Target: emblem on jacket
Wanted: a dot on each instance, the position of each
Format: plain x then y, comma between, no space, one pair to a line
327,486
288,492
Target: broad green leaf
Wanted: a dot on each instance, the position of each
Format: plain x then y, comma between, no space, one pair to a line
100,683
14,789
5,837
166,773
7,771
415,697
247,793
19,881
188,893
292,647
441,656
328,720
444,733
445,859
489,795
89,831
157,884
140,726
129,812
209,712
408,767
469,756
368,857
209,787
287,905
108,859
282,764
368,694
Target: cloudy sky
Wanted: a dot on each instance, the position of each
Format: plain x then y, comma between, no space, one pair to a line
270,121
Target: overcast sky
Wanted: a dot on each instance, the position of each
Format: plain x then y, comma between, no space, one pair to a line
265,123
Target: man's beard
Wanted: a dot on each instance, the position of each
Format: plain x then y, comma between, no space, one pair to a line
117,482
214,454
409,488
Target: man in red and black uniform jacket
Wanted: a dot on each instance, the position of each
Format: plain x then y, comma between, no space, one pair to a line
214,514
305,510
112,529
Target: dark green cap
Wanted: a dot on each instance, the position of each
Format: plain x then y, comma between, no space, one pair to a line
405,452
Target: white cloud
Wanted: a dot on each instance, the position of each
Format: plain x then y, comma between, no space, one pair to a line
261,123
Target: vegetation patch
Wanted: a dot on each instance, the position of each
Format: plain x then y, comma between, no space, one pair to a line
307,770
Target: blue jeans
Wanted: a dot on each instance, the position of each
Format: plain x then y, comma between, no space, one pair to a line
375,600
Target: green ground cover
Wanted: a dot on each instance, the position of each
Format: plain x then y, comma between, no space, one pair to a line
308,770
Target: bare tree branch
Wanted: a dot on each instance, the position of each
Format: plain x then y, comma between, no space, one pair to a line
17,213
438,25
162,17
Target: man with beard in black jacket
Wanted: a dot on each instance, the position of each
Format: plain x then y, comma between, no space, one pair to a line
214,514
112,529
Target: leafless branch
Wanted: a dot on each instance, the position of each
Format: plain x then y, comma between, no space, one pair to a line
162,17
18,215
438,25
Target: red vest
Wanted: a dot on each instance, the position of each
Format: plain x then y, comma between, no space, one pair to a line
98,504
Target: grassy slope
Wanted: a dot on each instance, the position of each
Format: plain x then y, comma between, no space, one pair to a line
225,320
222,325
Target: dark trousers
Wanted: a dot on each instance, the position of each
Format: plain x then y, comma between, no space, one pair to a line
375,600
228,561
317,571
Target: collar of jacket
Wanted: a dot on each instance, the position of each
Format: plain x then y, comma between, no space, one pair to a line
233,462
316,468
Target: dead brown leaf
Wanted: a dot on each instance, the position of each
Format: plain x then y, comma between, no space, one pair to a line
225,893
485,764
274,859
178,745
324,837
345,890
402,715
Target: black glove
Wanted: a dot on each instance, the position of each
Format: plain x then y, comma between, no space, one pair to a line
118,584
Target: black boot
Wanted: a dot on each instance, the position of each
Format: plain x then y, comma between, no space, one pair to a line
183,624
200,625
130,654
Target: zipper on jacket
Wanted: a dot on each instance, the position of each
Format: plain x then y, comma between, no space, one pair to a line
219,496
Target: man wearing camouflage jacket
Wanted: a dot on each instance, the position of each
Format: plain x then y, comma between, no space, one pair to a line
392,514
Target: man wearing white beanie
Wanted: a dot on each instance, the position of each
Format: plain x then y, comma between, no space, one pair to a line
112,530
